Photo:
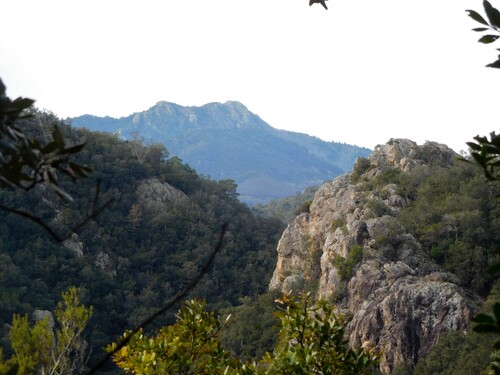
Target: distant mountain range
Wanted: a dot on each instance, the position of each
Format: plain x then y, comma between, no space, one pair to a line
227,141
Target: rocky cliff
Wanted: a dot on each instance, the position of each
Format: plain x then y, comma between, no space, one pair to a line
352,249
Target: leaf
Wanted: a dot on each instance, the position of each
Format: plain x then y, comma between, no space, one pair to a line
80,170
479,159
486,39
492,13
58,137
491,149
61,193
8,146
496,311
480,29
494,269
474,146
483,318
74,149
476,17
22,103
486,328
14,369
495,64
49,147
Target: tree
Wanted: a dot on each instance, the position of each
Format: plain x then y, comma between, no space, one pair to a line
493,25
311,342
486,153
41,349
190,346
28,161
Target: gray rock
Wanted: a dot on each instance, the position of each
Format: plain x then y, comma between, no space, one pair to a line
39,315
154,195
397,296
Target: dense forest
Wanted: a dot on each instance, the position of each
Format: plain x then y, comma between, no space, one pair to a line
150,242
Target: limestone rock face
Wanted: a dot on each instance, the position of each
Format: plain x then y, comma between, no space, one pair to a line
397,296
154,195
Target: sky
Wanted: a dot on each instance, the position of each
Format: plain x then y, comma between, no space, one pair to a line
362,72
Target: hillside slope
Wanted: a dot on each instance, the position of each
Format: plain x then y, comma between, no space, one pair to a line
143,249
228,141
400,244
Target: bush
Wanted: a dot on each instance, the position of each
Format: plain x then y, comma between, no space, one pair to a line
361,166
345,266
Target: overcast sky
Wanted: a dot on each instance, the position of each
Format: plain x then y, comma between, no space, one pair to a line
362,72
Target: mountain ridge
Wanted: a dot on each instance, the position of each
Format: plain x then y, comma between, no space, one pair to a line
227,141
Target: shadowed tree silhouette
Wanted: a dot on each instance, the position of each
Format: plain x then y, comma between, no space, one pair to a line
322,2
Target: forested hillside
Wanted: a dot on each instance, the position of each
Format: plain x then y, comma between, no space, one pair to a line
431,224
226,140
150,242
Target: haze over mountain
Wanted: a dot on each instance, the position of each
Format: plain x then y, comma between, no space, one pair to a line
227,141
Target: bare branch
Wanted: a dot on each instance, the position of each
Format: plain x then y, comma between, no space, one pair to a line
37,220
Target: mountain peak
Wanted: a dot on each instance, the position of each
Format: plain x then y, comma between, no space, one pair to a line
236,105
226,140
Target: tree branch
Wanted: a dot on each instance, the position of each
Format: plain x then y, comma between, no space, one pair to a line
37,220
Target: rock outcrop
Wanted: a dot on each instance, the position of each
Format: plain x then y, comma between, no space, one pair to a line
397,296
154,195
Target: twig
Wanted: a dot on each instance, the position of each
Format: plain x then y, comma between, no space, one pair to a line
33,218
36,219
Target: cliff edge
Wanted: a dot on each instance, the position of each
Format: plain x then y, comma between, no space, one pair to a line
352,249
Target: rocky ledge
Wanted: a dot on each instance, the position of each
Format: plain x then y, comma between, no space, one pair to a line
350,248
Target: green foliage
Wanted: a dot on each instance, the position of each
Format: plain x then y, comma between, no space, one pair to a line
311,341
486,153
339,222
361,166
70,350
389,176
304,207
376,208
41,349
141,250
493,25
285,209
26,161
458,353
252,329
32,346
190,346
455,216
488,326
345,266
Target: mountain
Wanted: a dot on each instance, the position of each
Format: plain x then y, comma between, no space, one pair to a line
400,244
227,141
